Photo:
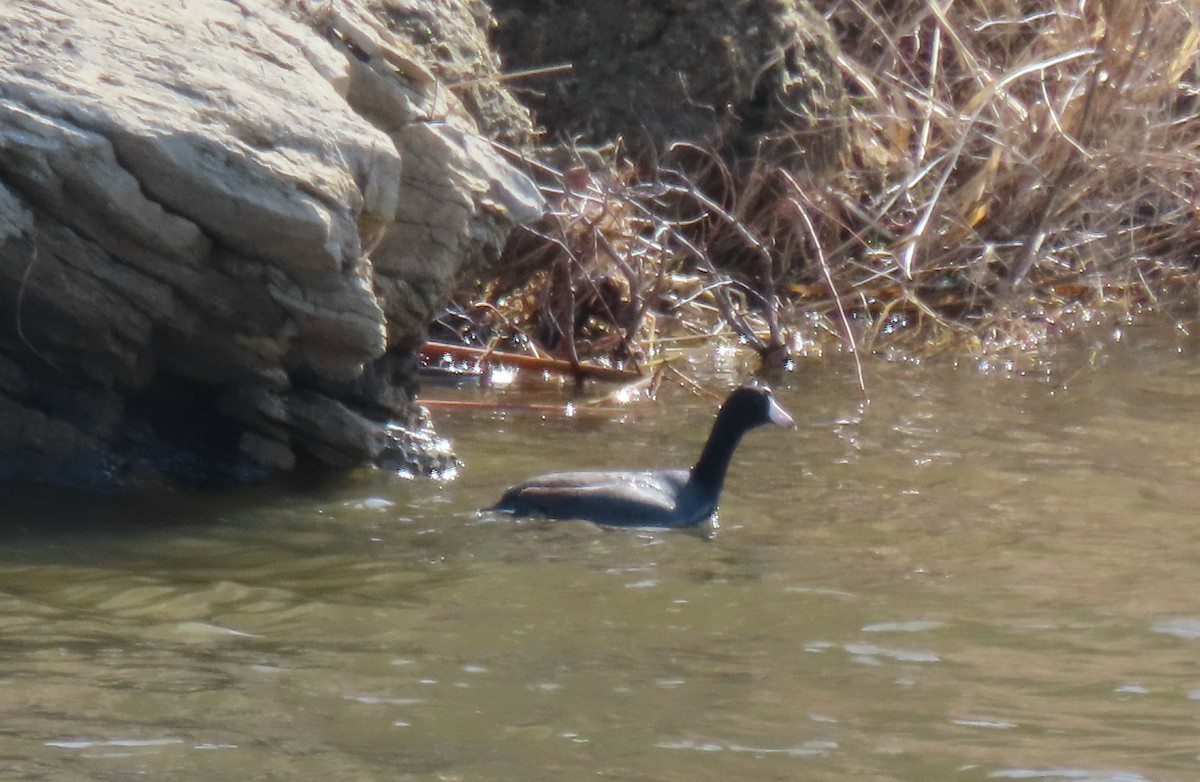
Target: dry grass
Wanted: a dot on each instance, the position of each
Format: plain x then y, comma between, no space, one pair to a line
1014,168
1035,159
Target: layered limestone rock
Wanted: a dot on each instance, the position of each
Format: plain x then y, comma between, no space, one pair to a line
224,225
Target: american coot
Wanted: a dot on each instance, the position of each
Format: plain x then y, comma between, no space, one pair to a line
650,498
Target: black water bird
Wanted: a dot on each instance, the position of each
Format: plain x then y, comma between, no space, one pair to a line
650,498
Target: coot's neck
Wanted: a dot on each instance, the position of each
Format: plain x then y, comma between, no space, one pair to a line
709,473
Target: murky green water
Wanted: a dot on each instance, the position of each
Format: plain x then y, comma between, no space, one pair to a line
971,577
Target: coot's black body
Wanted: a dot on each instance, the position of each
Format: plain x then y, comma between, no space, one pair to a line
650,498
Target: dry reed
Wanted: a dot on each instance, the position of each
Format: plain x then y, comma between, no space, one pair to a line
1014,169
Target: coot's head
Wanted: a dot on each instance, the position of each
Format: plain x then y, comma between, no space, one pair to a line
753,405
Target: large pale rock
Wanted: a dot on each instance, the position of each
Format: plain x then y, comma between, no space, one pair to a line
218,221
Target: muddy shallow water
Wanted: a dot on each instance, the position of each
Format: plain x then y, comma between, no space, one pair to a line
969,577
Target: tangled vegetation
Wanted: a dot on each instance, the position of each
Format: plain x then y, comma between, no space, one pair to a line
1014,169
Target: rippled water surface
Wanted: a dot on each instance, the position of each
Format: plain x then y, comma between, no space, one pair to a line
970,577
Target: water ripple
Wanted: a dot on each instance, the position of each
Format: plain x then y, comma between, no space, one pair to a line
1074,774
125,743
871,652
1180,627
807,749
917,626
